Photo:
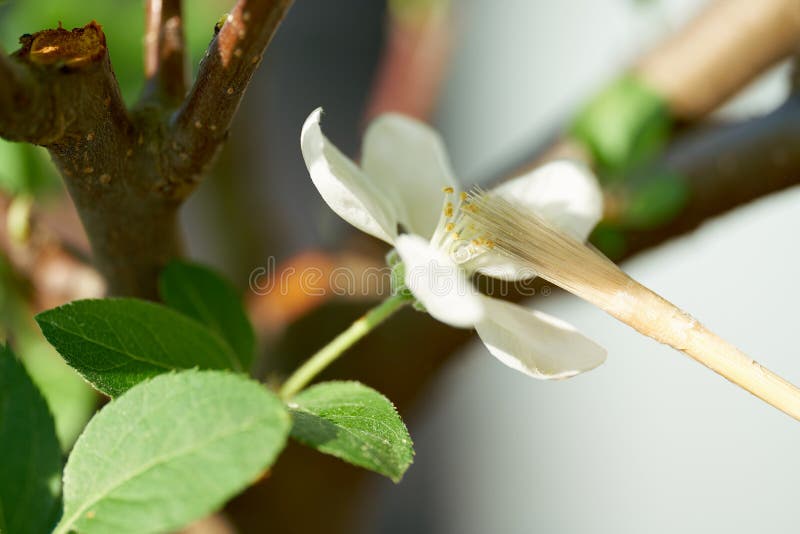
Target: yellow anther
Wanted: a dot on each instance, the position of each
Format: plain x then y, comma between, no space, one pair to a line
448,210
447,189
463,196
450,227
490,244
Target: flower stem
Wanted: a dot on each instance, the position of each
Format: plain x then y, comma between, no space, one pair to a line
330,352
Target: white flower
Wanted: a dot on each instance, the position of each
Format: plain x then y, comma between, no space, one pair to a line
396,195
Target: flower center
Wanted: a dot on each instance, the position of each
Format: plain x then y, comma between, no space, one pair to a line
457,235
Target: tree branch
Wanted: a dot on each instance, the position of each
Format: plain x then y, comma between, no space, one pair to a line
164,52
20,96
128,173
201,124
65,97
728,166
727,46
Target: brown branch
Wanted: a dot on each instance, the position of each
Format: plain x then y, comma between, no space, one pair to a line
164,52
128,173
20,95
723,49
67,99
728,166
413,65
202,123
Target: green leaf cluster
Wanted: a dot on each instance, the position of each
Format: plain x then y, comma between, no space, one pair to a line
186,429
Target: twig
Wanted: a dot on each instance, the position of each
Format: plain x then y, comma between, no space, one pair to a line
164,52
201,124
321,359
413,65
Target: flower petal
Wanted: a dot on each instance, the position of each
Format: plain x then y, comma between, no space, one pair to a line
344,187
535,343
502,267
438,283
564,193
407,159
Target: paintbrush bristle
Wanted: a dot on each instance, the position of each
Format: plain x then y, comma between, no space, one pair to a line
556,256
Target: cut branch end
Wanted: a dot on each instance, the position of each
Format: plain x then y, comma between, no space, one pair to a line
74,48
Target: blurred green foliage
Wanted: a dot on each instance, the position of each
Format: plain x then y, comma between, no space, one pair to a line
656,201
25,170
609,239
626,127
415,8
645,202
70,399
623,126
12,299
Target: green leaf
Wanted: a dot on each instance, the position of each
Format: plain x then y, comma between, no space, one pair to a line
169,451
623,125
117,343
205,296
355,423
30,456
69,397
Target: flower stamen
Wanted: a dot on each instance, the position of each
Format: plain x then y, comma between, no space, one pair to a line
456,234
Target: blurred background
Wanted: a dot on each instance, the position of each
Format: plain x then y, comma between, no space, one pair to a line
702,123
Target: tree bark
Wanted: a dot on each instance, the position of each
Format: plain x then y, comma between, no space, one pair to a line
128,171
64,96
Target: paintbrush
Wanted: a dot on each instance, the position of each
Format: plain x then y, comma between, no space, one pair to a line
585,272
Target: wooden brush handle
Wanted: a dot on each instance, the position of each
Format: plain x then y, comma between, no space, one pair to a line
655,317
